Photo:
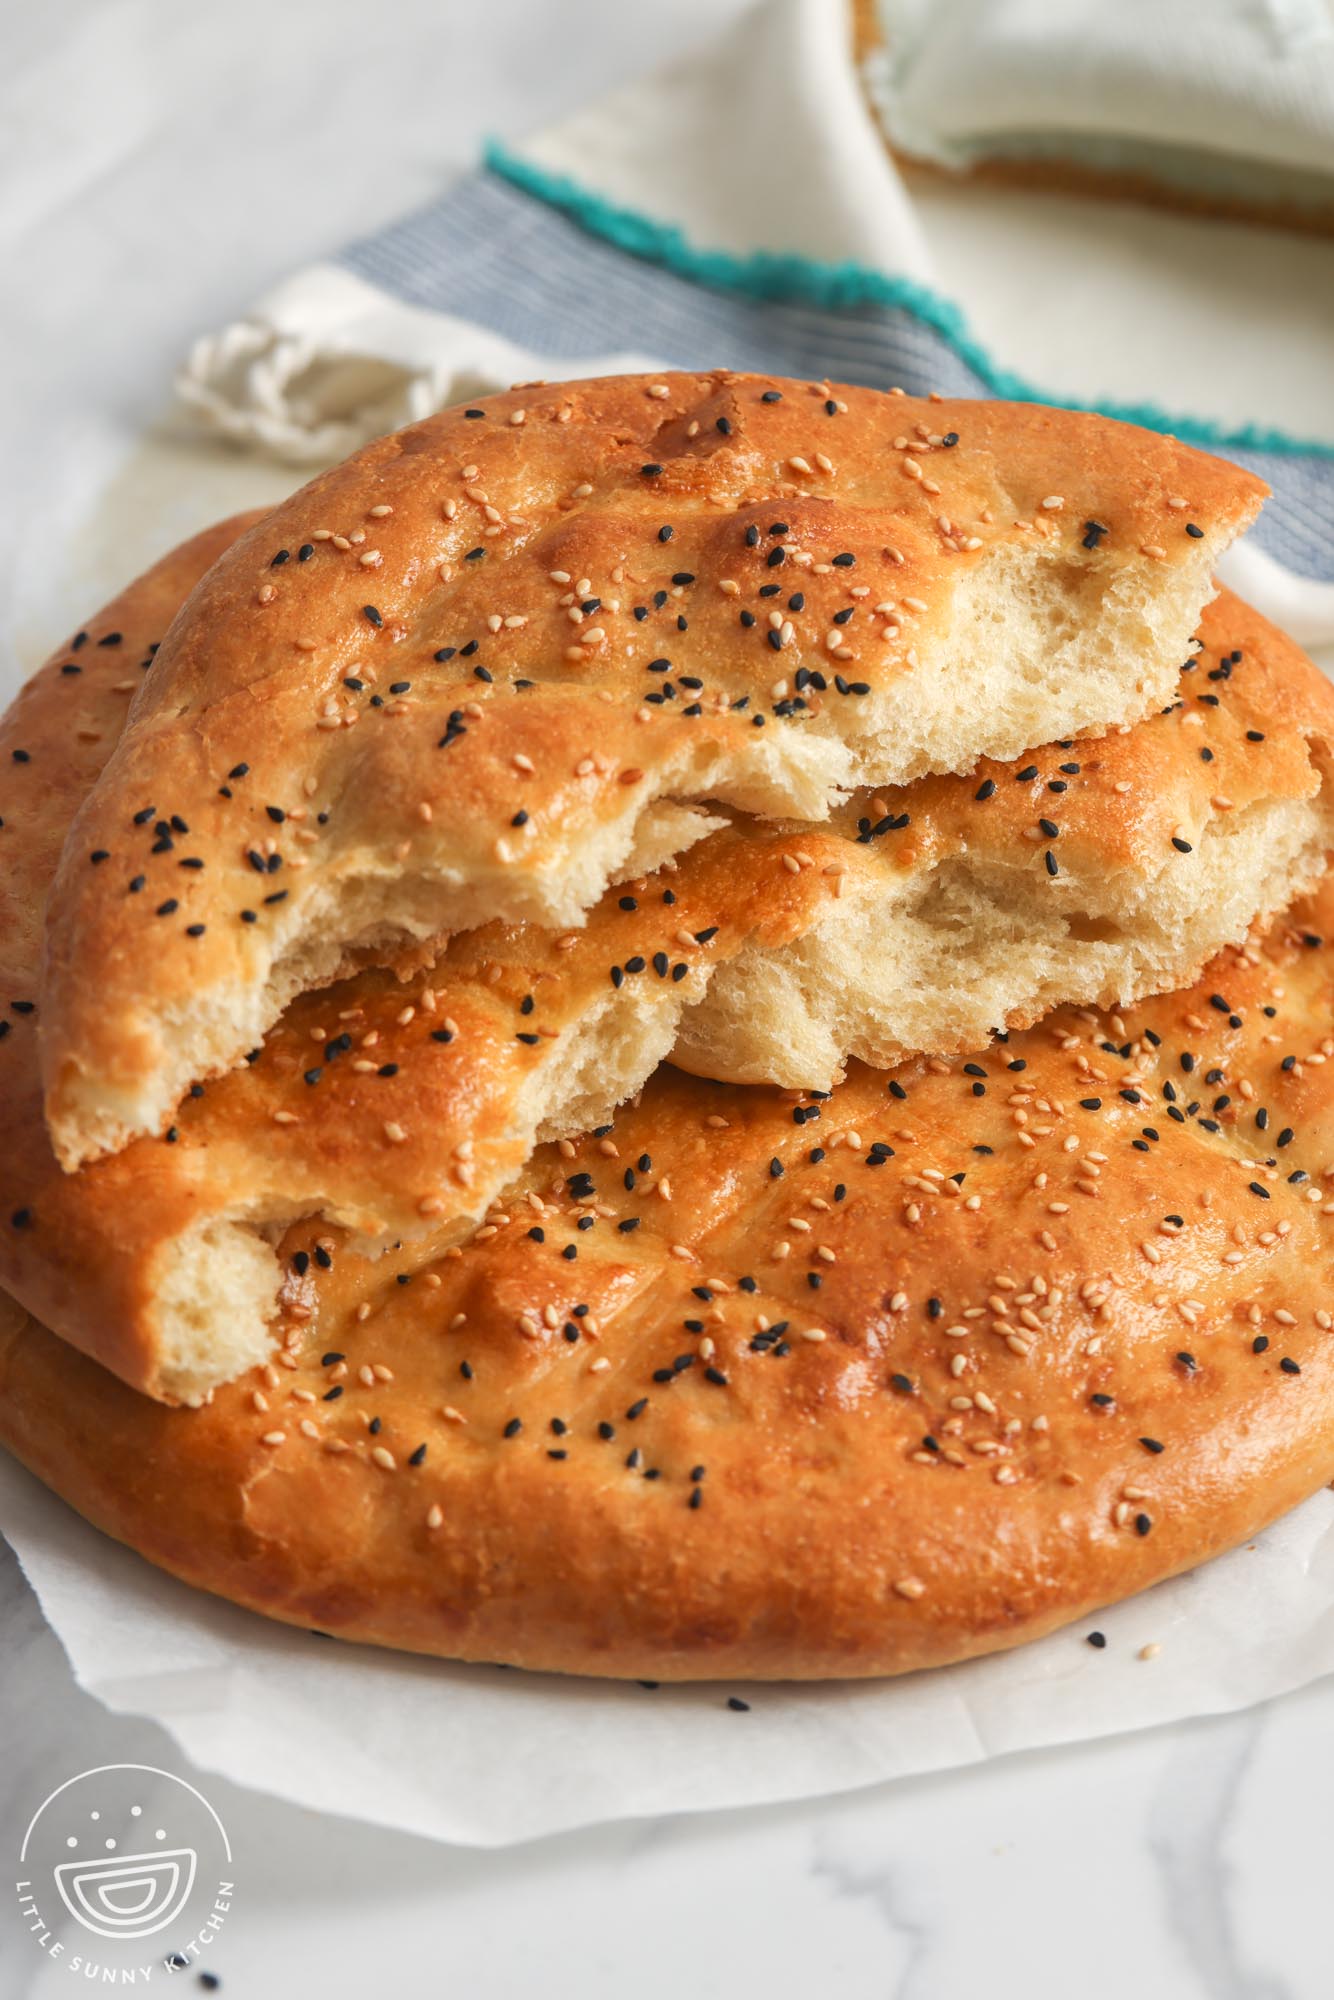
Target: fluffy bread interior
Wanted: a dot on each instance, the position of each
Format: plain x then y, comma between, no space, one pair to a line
1035,646
214,1298
967,950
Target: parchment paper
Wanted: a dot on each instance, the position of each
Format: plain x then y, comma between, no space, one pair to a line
484,1756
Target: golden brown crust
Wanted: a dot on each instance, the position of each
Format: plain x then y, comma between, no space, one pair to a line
399,1108
1075,1320
66,720
318,712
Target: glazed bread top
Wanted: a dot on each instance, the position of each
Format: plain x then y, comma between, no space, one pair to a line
920,918
472,674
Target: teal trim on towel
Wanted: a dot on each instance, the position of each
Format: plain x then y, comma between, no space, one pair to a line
765,274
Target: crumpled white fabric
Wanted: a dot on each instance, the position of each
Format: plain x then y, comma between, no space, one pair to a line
1233,99
325,362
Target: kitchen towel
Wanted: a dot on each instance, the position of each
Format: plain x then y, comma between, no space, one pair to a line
739,210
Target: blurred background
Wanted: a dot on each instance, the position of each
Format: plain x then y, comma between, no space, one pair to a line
162,165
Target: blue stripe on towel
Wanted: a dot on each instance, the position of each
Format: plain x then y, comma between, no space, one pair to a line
556,270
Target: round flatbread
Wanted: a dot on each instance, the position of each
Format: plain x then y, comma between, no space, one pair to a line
754,1382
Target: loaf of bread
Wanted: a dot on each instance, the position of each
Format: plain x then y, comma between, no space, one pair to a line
484,669
919,919
767,1383
613,1156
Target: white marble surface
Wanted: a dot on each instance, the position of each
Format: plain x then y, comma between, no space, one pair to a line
1181,1864
161,162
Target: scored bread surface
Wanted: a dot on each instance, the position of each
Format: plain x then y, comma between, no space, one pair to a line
460,677
918,918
